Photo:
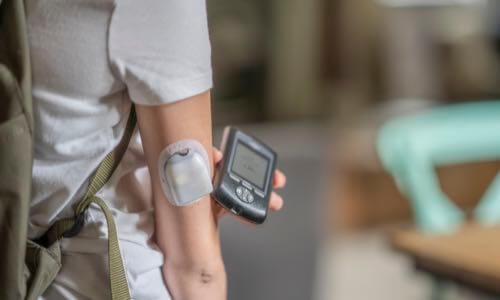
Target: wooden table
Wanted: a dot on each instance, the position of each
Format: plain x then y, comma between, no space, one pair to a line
470,257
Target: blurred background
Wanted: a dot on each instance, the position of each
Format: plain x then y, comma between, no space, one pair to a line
316,79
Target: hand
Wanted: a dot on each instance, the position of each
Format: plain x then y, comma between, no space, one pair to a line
275,201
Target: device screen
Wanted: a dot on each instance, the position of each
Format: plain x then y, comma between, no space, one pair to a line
250,165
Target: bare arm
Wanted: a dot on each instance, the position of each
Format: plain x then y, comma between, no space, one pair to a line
188,236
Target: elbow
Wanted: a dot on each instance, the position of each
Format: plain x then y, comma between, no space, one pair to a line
200,273
195,280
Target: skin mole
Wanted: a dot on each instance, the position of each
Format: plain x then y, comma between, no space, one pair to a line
206,277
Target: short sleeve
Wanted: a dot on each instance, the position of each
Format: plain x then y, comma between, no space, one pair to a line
160,49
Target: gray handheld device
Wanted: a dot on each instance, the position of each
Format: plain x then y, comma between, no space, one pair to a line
243,181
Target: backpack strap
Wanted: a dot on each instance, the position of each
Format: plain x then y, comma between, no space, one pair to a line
69,227
16,147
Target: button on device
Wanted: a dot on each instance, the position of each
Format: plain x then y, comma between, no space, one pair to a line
236,210
245,195
259,193
239,191
250,198
234,178
246,184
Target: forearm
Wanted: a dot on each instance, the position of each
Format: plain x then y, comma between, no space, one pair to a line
201,280
193,267
188,236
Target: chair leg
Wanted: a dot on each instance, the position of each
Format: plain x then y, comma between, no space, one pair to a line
434,212
488,210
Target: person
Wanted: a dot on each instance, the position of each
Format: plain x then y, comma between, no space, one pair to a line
91,60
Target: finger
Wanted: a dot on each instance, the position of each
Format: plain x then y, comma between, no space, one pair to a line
279,180
243,221
222,212
217,155
219,211
275,202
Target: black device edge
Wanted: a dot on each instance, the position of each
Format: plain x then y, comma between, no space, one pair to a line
249,212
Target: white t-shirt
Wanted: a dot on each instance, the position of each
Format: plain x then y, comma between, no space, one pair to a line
90,59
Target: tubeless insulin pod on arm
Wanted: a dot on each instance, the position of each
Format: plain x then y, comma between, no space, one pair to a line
184,170
243,181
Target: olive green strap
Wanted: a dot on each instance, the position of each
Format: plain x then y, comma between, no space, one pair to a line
108,165
117,277
70,226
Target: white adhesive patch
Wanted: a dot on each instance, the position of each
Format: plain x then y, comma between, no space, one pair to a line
184,170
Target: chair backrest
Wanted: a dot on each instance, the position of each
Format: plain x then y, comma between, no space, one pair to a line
411,147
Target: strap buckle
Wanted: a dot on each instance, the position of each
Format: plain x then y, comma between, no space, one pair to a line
77,226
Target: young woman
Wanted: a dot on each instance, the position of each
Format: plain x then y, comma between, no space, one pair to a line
91,59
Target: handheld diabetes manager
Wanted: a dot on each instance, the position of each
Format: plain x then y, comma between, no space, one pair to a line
243,181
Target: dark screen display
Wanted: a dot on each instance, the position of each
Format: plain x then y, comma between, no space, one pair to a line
249,165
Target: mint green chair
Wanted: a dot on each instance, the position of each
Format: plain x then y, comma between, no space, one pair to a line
411,147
